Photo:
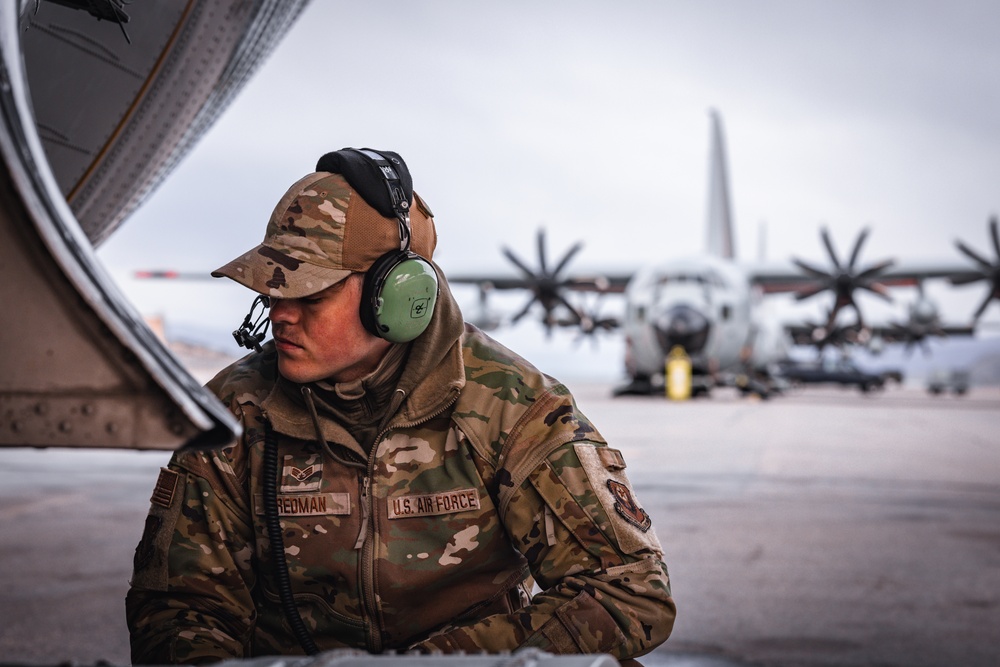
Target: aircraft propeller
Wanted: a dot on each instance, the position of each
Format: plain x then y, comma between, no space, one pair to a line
589,321
546,286
844,279
985,269
837,336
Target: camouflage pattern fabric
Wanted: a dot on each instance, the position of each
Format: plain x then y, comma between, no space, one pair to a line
320,232
488,480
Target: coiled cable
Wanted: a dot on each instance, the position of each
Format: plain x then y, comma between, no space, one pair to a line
273,522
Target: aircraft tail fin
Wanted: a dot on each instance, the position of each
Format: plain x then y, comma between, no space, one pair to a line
720,219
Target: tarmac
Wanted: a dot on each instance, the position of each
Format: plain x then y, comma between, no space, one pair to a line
823,527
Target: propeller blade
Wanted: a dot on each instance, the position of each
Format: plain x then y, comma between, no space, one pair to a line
877,288
809,291
857,247
566,258
873,271
861,320
561,299
966,279
548,327
829,248
975,256
524,311
996,235
810,269
831,318
982,307
509,254
541,251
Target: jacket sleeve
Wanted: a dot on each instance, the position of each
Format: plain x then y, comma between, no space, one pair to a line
591,548
189,600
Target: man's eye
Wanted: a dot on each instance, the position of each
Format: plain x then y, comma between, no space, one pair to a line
311,301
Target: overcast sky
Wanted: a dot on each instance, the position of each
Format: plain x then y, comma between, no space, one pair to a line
590,119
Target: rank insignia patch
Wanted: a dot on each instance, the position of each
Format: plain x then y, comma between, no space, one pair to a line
626,506
301,475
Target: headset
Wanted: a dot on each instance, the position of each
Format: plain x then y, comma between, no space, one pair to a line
401,287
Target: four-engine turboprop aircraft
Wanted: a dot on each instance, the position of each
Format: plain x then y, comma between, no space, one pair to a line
716,309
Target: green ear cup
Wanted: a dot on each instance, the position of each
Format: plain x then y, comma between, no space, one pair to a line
405,304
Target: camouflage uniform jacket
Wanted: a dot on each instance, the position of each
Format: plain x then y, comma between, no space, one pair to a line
487,476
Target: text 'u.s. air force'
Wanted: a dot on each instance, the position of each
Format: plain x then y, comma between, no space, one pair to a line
447,502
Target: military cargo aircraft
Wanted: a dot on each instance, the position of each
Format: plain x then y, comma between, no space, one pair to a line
716,310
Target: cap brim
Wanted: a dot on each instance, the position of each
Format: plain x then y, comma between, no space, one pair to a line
292,280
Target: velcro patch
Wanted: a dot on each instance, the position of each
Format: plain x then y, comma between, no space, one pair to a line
430,504
626,506
632,526
301,475
611,458
166,485
309,504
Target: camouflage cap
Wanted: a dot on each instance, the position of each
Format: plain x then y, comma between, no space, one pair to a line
320,232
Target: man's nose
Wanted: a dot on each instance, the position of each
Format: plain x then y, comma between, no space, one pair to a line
283,311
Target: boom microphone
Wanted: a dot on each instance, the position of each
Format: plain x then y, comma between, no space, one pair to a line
252,332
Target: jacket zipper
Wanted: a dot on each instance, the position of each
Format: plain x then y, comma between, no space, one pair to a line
366,564
367,560
363,532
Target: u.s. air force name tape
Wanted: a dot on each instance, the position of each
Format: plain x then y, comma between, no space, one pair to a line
430,504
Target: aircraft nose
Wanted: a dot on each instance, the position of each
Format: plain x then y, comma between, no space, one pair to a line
682,325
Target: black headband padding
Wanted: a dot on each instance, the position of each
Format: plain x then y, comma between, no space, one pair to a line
365,177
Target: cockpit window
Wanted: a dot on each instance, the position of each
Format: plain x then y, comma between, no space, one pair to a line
710,278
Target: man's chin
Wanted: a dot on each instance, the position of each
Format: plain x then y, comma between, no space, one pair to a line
295,373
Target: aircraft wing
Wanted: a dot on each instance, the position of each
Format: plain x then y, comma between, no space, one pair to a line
787,277
610,283
89,124
813,334
897,333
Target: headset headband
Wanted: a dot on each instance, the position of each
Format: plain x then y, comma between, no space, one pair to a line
381,178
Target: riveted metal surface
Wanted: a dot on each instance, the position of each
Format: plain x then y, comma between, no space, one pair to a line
88,420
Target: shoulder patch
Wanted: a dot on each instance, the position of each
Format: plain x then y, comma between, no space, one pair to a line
166,486
627,507
150,568
604,468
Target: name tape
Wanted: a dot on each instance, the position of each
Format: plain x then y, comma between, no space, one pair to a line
309,504
431,504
